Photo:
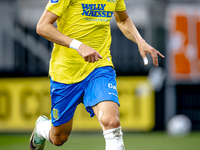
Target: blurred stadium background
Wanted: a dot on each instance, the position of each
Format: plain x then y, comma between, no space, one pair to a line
149,96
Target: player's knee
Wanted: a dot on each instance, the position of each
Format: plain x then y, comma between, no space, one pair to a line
59,140
110,121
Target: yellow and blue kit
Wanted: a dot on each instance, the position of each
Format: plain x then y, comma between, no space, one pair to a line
98,86
89,22
73,80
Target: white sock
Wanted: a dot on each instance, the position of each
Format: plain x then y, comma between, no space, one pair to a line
43,129
114,139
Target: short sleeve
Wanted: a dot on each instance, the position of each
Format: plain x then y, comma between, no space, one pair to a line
120,5
57,6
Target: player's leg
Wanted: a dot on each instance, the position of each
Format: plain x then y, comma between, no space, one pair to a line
107,113
37,141
64,100
101,99
45,131
59,135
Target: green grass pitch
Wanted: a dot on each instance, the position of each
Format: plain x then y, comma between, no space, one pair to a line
95,141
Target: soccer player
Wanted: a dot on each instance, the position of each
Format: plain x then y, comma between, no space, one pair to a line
81,68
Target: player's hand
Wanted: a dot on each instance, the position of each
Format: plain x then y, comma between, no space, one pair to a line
145,48
89,54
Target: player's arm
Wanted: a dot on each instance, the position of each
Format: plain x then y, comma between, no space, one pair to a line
127,27
46,29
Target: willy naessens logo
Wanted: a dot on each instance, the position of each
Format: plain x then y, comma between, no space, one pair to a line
96,10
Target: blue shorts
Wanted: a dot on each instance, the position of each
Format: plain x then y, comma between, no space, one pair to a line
99,86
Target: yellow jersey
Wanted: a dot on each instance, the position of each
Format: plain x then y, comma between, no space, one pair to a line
89,22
